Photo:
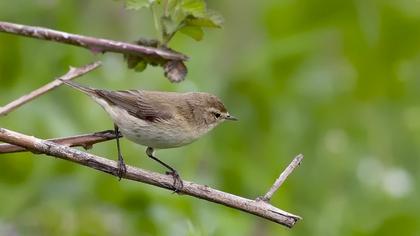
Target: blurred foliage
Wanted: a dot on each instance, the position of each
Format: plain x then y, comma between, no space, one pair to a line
335,80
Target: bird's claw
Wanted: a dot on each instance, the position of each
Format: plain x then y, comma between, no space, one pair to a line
177,184
122,169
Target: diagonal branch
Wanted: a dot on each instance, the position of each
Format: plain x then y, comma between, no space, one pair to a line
85,140
259,208
283,176
73,73
92,43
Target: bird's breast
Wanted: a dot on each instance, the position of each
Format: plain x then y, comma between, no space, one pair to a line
160,134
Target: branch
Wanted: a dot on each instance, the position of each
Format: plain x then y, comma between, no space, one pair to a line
94,44
71,74
85,140
258,208
283,176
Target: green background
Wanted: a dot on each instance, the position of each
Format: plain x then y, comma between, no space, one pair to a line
335,80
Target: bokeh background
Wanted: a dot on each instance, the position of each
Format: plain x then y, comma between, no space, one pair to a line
335,80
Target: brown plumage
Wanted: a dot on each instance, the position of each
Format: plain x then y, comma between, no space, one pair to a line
158,119
164,119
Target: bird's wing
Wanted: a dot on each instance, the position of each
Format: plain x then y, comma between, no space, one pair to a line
136,104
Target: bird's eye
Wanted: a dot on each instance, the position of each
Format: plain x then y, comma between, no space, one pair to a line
216,114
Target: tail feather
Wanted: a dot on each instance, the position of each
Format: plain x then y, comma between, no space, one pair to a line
84,89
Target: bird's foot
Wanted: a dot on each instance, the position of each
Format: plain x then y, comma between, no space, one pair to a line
122,168
177,184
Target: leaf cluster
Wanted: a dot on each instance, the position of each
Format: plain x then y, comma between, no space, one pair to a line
186,16
171,16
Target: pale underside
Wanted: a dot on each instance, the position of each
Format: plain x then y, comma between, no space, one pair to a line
160,134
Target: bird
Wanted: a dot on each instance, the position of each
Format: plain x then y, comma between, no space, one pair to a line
158,119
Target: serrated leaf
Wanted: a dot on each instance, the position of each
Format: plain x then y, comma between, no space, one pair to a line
215,17
138,4
194,32
212,20
175,71
196,8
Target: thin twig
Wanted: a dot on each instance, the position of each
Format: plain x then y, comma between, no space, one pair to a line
259,208
283,176
85,140
97,45
73,73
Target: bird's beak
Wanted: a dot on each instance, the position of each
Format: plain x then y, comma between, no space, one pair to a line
229,117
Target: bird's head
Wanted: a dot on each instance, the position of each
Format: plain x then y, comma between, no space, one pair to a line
212,110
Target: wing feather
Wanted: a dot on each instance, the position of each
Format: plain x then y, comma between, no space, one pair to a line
147,108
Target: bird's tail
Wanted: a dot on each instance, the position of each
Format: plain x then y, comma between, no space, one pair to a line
84,89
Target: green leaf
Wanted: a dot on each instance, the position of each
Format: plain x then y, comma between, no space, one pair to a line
138,4
137,63
194,32
216,18
196,8
186,16
169,25
141,66
172,4
211,20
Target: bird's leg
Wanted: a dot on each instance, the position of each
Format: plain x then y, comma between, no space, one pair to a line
178,184
122,169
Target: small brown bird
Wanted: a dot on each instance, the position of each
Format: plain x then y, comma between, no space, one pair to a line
158,120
